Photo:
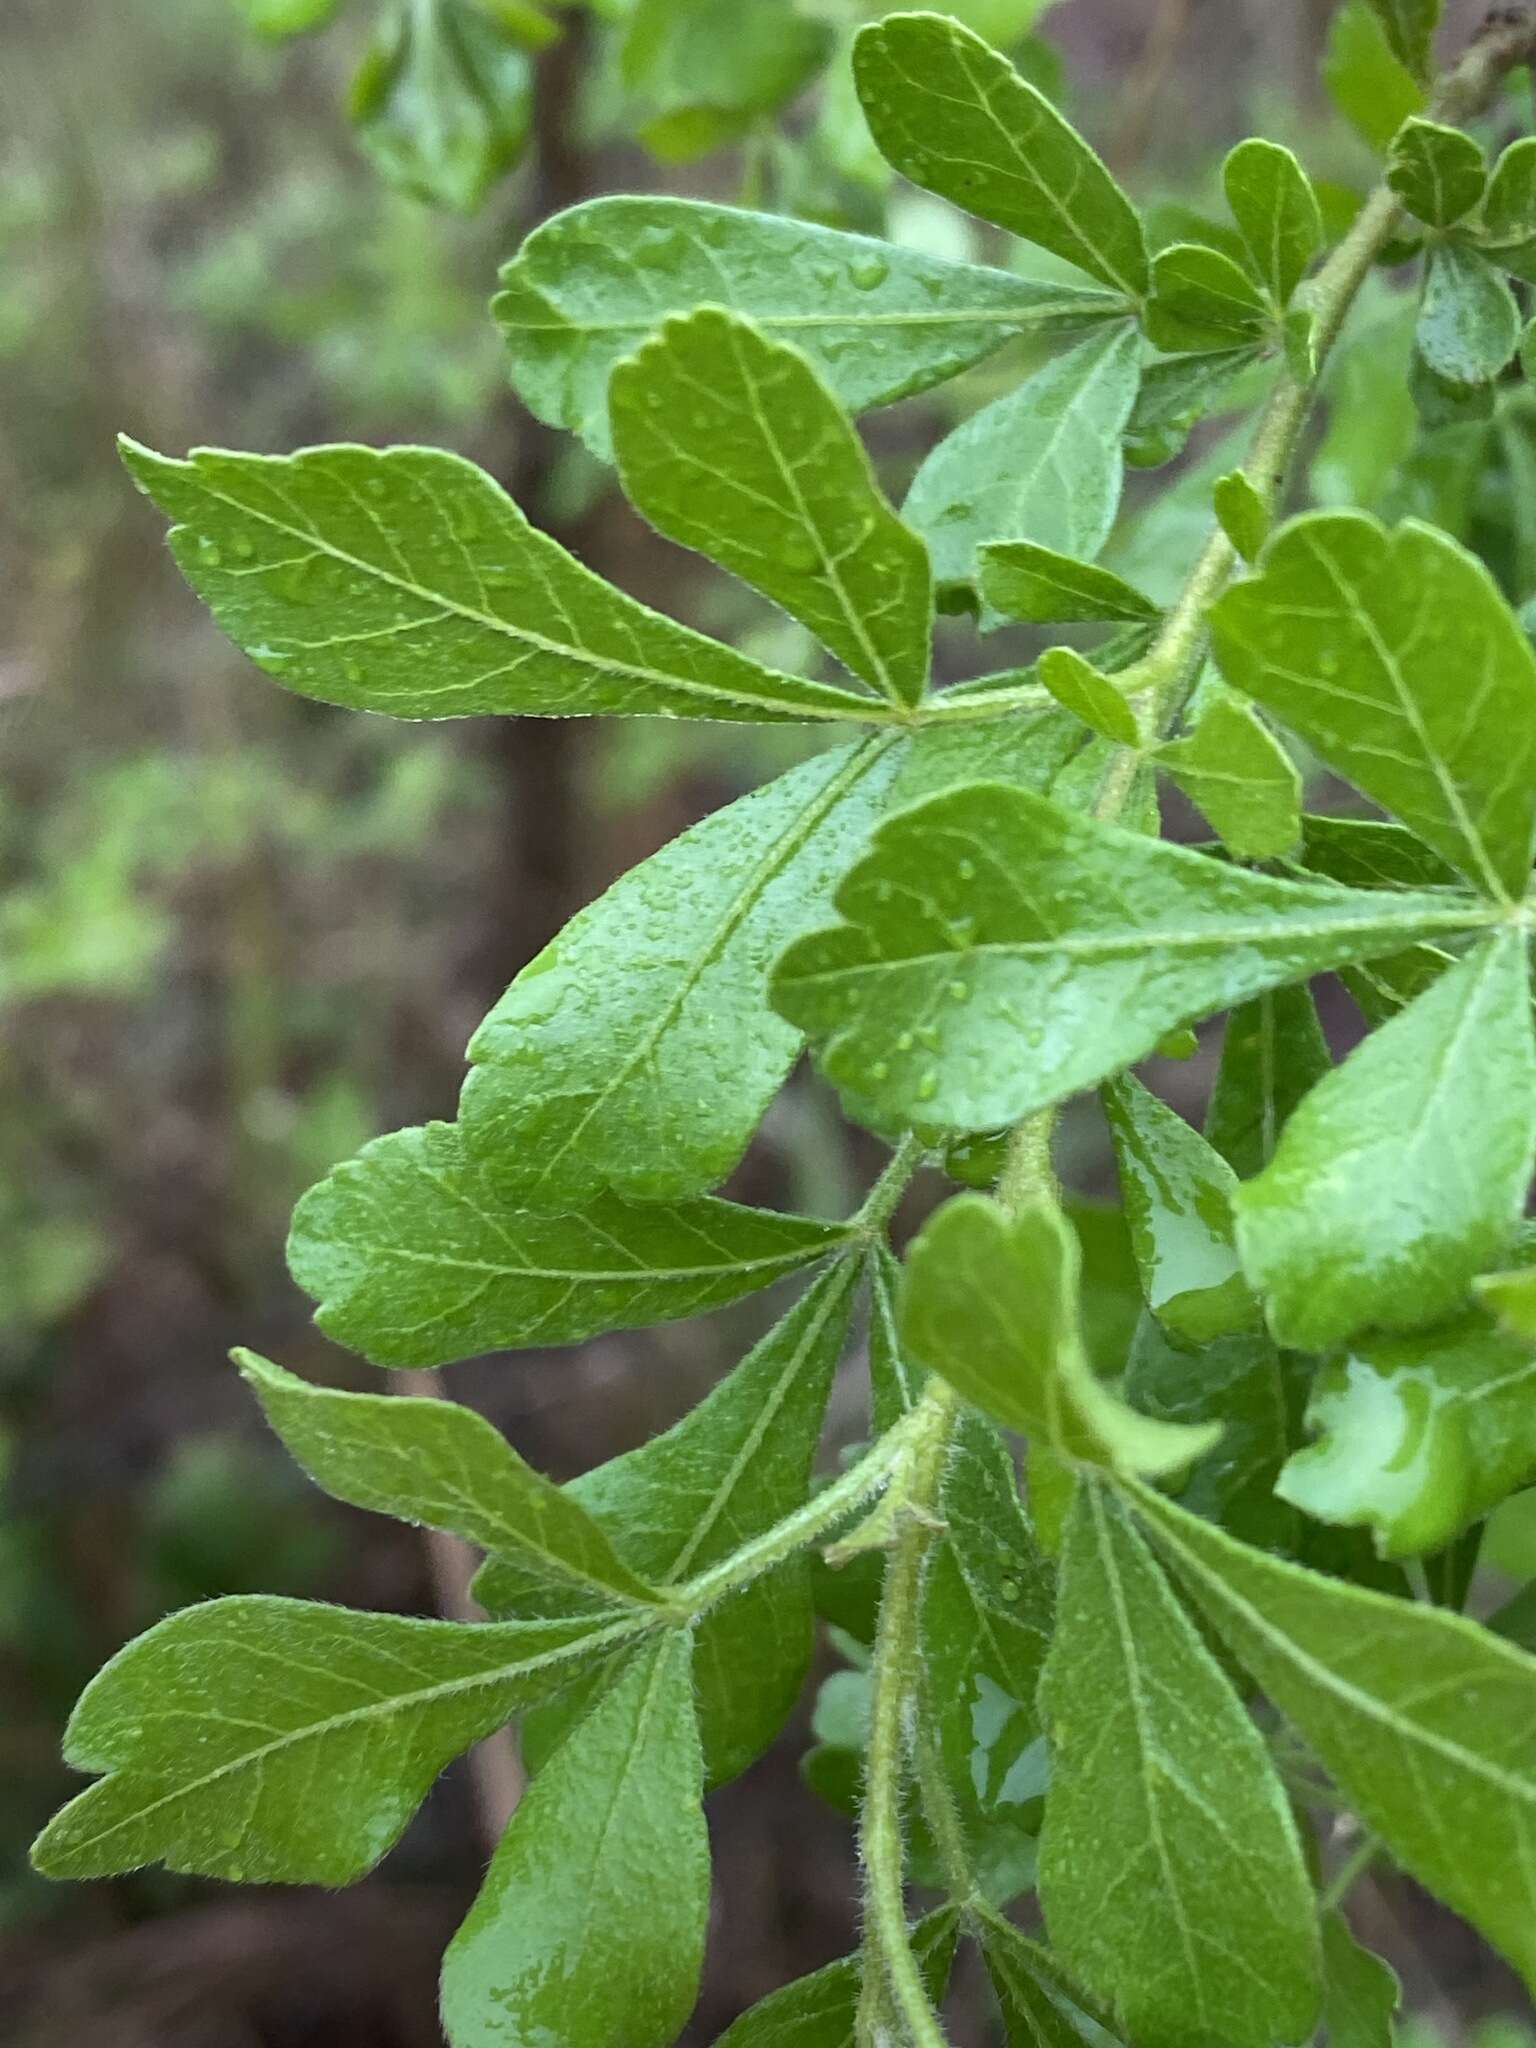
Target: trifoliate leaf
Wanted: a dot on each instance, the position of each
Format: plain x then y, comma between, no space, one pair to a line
1041,464
1023,580
1242,512
734,1465
1276,209
731,443
281,1742
441,1466
1202,300
1360,1992
1170,1871
1234,768
1178,1190
954,116
1405,1171
880,322
1469,323
1001,953
1418,1436
1372,89
1079,688
1437,172
590,1924
415,1259
992,1303
637,1051
1426,1721
405,580
1373,645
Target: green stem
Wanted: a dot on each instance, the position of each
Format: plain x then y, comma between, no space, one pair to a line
879,1205
1344,1879
943,1817
891,1971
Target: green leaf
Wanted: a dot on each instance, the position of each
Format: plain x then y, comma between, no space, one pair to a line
443,102
1369,853
1437,172
732,444
1079,688
1272,1053
1234,768
441,1466
1041,2007
590,1924
1027,750
1426,1721
1041,464
1001,953
984,1628
1512,1298
1176,392
1360,1992
704,71
277,1742
1023,580
1370,87
1372,644
1469,323
1202,300
1170,1871
1509,205
287,17
878,321
1405,1171
415,1259
1409,27
954,116
992,1304
1275,207
637,1051
1418,1436
1243,514
820,2011
405,580
1178,1190
1241,1382
734,1465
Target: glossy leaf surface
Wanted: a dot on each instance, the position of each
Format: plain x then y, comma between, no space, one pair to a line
1273,1051
731,443
440,1465
1426,1721
1276,211
1079,688
637,1051
1202,300
1238,773
405,580
1023,580
954,116
1395,656
1418,1435
590,284
1405,1171
590,1924
416,1260
1041,464
1170,1871
991,1303
1000,953
1437,172
1469,322
283,1742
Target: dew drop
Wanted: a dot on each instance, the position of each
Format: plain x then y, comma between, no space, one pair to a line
209,554
880,1071
867,272
352,672
928,1035
1009,1588
966,869
928,1086
801,554
245,549
904,1042
958,991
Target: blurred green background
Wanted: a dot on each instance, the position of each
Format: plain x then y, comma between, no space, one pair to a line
241,934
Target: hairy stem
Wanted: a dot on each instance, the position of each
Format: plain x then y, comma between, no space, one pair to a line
892,1978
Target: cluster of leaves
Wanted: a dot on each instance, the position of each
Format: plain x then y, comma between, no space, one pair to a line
443,98
962,907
